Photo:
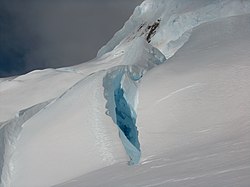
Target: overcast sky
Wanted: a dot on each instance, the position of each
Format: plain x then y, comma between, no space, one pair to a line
36,34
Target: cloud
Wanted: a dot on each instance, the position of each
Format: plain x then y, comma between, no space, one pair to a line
40,34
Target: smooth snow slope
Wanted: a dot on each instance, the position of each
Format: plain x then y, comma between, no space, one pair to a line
191,113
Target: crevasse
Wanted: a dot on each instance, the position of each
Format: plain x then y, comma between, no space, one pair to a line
126,117
121,110
121,93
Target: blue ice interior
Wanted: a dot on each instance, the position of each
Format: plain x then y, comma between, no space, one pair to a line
119,109
125,118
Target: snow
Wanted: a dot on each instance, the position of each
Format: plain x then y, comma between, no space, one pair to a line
33,88
176,19
205,83
83,140
193,115
188,117
9,133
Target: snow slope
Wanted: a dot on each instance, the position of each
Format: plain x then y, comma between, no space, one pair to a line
184,122
193,115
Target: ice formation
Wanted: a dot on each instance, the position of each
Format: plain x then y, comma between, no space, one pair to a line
122,110
176,20
76,126
120,90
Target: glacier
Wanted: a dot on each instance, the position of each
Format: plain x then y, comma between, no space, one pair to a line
168,94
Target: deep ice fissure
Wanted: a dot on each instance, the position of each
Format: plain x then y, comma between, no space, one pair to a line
126,117
121,110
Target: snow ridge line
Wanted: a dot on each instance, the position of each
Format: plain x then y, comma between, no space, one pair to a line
174,21
9,132
11,129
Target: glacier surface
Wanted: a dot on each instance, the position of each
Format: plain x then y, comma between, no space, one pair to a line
183,123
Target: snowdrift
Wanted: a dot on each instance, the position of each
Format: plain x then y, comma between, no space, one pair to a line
184,122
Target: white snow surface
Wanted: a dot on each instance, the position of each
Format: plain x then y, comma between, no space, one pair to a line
192,107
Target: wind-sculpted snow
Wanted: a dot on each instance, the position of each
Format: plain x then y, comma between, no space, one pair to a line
173,18
73,135
9,132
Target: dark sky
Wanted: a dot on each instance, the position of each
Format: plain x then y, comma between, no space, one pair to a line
36,34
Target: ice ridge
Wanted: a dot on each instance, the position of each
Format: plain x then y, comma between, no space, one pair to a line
162,22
